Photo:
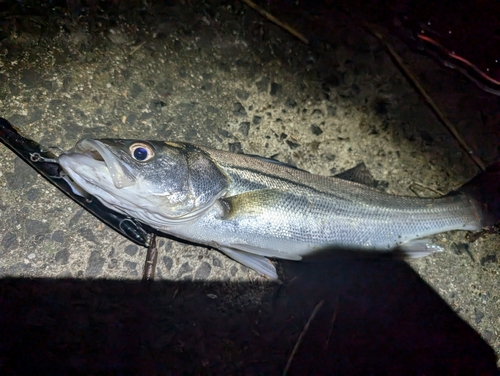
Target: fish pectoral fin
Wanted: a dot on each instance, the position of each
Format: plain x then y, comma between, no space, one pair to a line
256,262
251,203
418,248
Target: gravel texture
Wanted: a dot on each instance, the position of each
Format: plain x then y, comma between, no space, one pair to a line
220,75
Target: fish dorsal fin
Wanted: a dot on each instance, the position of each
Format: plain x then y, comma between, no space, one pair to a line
359,174
274,161
251,203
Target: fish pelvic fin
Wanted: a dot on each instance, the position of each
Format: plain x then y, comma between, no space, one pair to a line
256,262
484,190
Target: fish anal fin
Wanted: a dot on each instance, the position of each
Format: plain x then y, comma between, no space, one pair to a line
418,248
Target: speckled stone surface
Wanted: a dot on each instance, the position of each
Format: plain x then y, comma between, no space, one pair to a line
222,76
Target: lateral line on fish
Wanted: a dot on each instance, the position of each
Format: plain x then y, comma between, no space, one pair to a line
280,178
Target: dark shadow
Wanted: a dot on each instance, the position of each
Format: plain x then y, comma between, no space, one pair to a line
378,317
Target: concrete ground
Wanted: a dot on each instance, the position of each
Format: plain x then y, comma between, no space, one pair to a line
220,75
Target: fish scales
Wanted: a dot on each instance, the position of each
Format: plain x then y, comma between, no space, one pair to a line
327,210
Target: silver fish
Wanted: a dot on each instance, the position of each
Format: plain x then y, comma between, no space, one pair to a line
251,209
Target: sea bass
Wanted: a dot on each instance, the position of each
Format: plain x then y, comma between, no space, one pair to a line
252,209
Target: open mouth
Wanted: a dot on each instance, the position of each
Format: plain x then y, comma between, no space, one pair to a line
99,152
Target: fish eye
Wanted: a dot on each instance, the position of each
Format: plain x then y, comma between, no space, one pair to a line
141,152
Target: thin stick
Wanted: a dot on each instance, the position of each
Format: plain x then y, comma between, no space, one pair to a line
150,263
334,318
273,19
301,336
136,48
436,191
429,100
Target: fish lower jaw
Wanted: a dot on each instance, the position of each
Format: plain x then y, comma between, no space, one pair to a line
147,215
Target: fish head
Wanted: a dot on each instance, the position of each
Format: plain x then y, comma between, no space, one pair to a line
150,180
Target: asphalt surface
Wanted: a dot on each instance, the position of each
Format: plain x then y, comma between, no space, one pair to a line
220,75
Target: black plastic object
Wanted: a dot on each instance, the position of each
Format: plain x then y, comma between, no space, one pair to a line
30,152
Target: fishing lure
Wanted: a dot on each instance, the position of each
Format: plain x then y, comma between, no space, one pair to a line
44,162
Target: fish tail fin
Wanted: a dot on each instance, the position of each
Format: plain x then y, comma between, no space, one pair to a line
484,189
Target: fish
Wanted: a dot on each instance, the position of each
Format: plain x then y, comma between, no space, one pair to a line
253,209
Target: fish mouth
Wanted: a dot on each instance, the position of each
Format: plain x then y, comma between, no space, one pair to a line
98,155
